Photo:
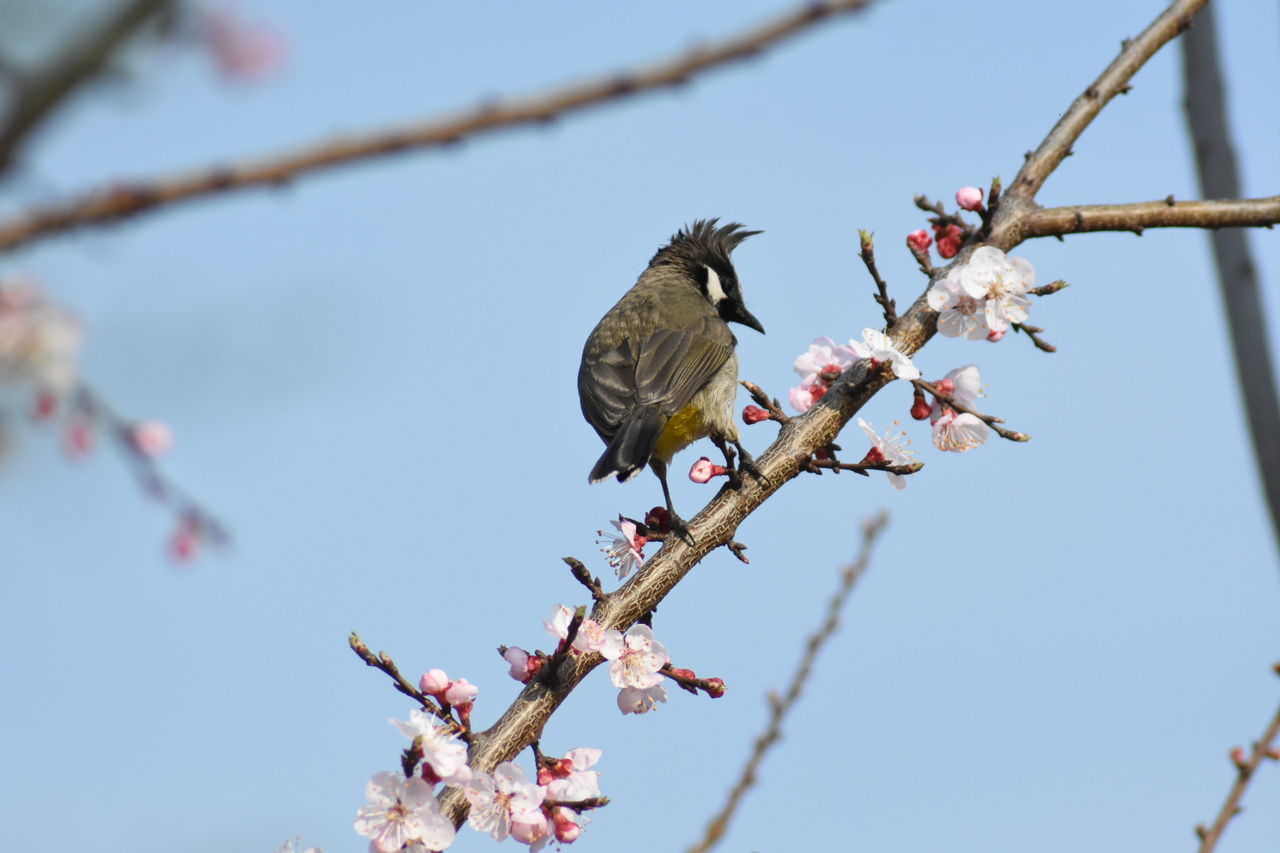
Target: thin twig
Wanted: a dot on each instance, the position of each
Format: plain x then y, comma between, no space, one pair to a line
384,662
990,420
780,706
769,404
133,197
1237,274
816,465
1245,768
867,252
1033,332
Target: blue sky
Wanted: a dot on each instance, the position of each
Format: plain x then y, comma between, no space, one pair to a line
371,377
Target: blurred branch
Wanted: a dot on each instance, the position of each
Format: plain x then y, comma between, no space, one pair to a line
133,197
1165,213
1237,274
779,707
800,436
1245,768
38,94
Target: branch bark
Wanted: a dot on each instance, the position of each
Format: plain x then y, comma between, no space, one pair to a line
131,198
1237,273
1139,216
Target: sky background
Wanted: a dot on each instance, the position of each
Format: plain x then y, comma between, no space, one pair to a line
371,378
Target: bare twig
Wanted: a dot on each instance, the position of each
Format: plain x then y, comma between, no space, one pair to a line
769,404
1033,332
780,706
37,94
867,251
134,197
817,465
1245,768
584,577
1237,273
384,662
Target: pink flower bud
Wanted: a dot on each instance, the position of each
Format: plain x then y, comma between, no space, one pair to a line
873,456
433,682
995,335
78,439
518,658
950,239
461,692
566,825
528,827
686,674
46,406
151,438
715,687
704,469
920,408
919,241
184,544
754,415
946,386
969,198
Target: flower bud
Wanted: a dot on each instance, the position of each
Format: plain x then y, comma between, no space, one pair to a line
566,825
873,456
919,241
151,438
995,335
704,469
969,198
754,415
461,692
920,408
715,687
433,682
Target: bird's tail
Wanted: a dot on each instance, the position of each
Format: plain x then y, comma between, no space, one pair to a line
632,445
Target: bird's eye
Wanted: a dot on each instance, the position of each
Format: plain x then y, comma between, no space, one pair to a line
715,291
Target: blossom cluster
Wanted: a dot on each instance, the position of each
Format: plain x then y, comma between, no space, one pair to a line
403,810
826,360
635,658
980,299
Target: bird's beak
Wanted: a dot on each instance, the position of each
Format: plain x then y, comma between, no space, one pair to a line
746,318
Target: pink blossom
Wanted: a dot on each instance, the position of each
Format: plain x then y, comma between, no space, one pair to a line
887,447
959,431
184,544
571,779
641,700
636,657
442,750
590,635
624,550
241,50
503,798
151,438
461,692
565,822
950,239
969,198
518,659
754,415
402,811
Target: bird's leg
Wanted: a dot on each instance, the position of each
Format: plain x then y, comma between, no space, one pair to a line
747,463
676,523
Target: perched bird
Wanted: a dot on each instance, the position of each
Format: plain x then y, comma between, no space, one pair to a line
659,370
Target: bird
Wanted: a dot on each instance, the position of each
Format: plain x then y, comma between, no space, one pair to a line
659,371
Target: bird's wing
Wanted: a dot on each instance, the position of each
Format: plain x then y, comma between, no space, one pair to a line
665,370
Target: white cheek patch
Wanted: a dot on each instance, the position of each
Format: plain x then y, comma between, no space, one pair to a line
715,292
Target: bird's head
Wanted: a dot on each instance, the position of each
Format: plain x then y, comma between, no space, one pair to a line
701,251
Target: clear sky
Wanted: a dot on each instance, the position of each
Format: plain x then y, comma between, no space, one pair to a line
371,377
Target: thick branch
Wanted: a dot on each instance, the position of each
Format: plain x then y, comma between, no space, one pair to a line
1166,213
1237,274
780,706
38,94
128,199
1133,55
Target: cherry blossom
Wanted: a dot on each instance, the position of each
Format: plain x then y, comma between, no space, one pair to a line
402,811
433,682
442,750
880,347
241,50
570,780
625,549
959,312
39,341
958,431
1003,282
590,635
151,438
635,657
503,799
565,822
704,470
888,447
461,693
919,240
640,700
823,354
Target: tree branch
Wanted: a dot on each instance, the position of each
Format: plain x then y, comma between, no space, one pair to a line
779,707
1237,274
797,439
1166,213
134,197
1134,53
38,94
